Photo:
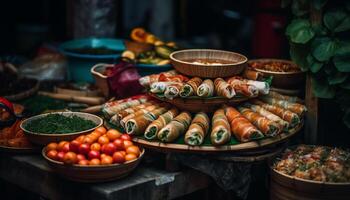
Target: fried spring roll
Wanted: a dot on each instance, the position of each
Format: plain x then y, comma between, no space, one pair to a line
153,129
198,129
137,113
115,120
172,90
206,89
146,81
294,107
242,87
191,87
222,88
221,132
175,128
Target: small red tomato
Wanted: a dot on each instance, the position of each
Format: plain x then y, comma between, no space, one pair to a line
127,144
123,152
84,149
95,161
109,148
134,150
74,146
60,145
52,154
113,134
70,158
130,156
107,160
103,155
118,157
81,157
101,129
83,162
65,147
125,137
95,146
94,154
81,138
51,146
119,143
60,156
103,140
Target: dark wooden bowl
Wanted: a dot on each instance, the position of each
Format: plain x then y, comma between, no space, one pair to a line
44,138
236,65
287,80
93,174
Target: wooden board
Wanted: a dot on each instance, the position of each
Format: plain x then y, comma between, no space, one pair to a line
241,147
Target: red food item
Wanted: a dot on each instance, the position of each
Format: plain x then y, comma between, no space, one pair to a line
134,150
60,145
125,137
119,143
94,154
51,146
65,147
109,148
127,144
81,157
95,147
60,155
113,134
107,160
130,156
118,157
70,158
124,76
74,146
52,154
84,149
95,161
83,162
103,140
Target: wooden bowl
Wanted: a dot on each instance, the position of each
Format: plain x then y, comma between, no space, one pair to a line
44,138
286,80
93,174
236,63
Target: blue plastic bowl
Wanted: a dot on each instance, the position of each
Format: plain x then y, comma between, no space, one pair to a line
79,64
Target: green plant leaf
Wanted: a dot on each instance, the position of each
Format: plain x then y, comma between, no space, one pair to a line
298,53
285,3
318,4
337,78
342,62
320,30
343,48
300,7
314,65
323,48
300,31
337,20
321,88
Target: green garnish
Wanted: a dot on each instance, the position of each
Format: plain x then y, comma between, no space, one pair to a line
59,124
151,133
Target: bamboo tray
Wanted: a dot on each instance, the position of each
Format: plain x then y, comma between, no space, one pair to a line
235,146
197,104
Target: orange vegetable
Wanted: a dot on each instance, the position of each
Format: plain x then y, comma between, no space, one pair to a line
138,35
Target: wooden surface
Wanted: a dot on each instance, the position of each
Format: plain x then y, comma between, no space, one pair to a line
33,173
311,118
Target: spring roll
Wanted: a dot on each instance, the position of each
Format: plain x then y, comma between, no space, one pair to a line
191,87
251,74
137,113
152,129
175,78
261,86
206,89
198,129
276,95
175,128
287,115
294,107
283,124
159,87
221,132
146,81
110,109
242,87
266,126
241,127
222,88
172,90
123,113
138,125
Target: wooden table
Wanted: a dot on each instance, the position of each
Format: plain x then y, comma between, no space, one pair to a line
146,182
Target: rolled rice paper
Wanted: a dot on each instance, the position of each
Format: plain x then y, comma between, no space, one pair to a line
160,87
242,87
175,128
115,120
153,129
175,78
111,109
137,113
262,86
198,129
172,90
191,87
222,88
241,127
206,89
294,107
146,81
276,95
221,132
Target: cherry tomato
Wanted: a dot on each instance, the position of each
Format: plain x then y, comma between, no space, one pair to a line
119,143
103,155
89,139
81,138
123,152
60,145
118,157
84,149
74,146
70,158
95,161
130,156
65,147
134,150
83,162
81,157
101,129
125,137
52,154
51,146
95,134
127,143
94,154
103,140
95,146
109,148
107,160
60,156
113,134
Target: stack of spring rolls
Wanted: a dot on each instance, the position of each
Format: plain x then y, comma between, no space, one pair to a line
266,116
171,85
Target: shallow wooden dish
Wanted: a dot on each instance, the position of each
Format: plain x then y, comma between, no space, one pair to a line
241,147
237,65
285,80
44,139
197,104
93,174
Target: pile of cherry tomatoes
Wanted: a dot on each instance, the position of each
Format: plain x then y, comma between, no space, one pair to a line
100,147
